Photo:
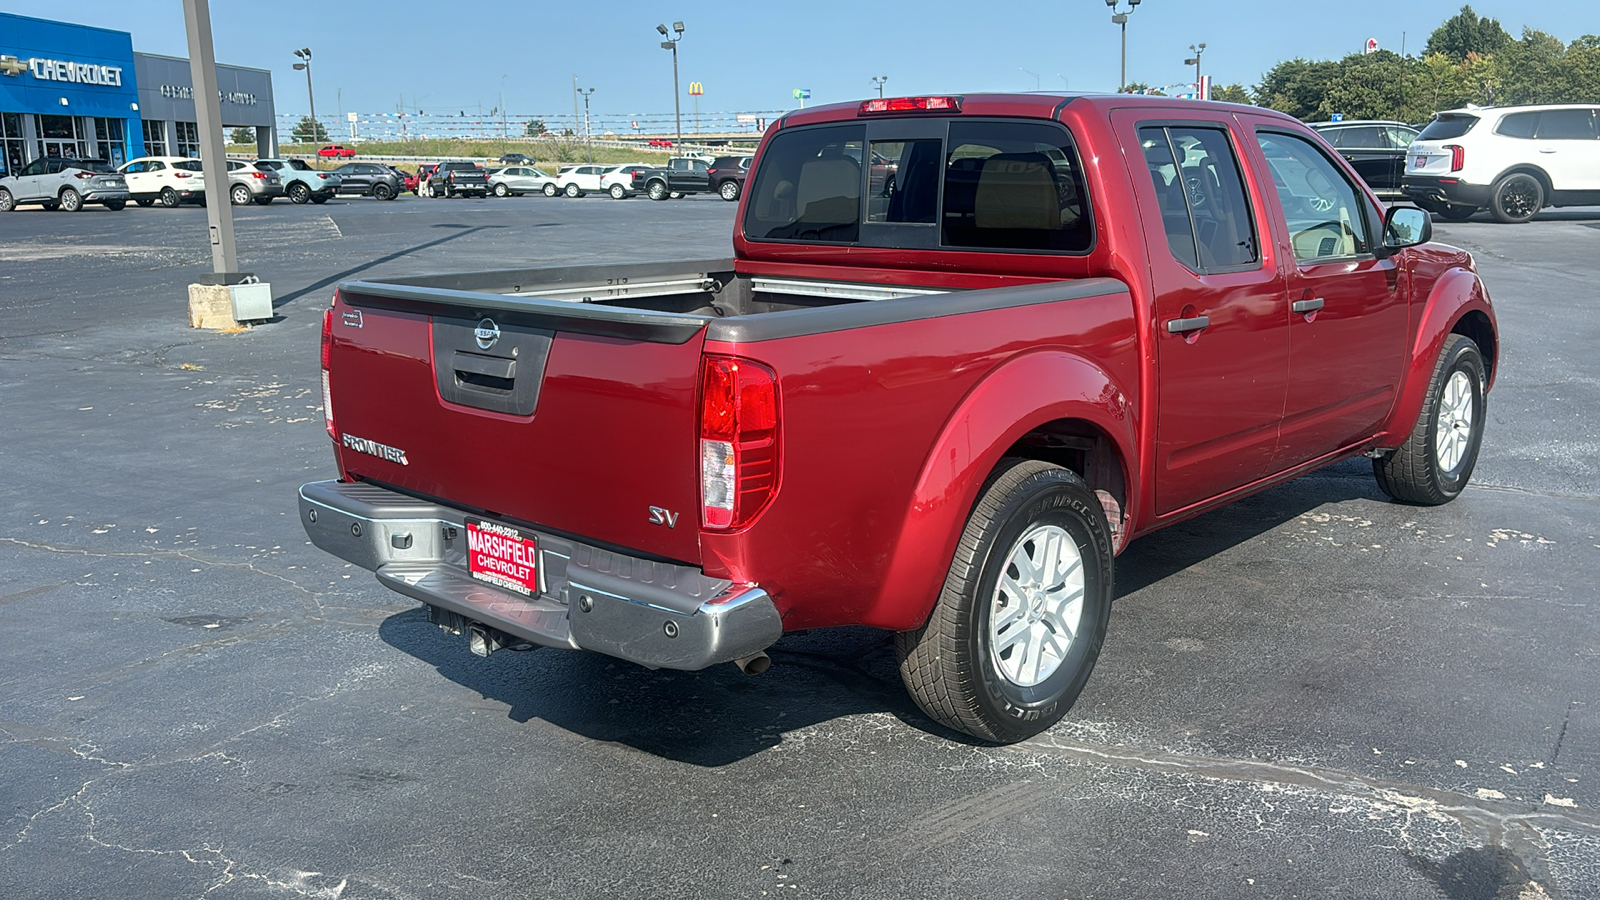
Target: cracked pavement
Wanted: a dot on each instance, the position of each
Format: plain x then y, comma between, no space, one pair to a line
1311,693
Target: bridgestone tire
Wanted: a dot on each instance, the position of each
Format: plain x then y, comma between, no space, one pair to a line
71,200
170,198
1516,198
618,192
299,193
1415,473
550,190
656,191
7,202
239,194
382,191
729,190
500,190
947,665
1454,213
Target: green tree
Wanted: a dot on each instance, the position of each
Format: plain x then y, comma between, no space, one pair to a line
308,132
1365,86
1466,33
1231,93
242,136
535,128
1139,87
1297,86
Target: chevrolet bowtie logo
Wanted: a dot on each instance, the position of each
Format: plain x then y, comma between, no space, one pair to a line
12,66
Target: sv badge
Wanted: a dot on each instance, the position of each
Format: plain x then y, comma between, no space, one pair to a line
659,516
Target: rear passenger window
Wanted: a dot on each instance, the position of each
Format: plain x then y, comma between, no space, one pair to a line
809,187
1566,125
1518,125
1204,210
1014,186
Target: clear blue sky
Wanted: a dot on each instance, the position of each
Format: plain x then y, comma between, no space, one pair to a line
750,56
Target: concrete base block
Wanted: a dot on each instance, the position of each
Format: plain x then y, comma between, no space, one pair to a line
211,306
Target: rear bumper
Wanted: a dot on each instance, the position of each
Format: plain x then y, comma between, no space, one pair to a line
656,614
1431,191
104,195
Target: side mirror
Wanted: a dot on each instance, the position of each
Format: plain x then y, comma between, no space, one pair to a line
1406,226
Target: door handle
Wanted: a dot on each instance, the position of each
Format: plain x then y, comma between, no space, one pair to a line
1307,306
1547,149
1184,326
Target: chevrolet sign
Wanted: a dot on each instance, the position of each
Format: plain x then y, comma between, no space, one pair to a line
62,70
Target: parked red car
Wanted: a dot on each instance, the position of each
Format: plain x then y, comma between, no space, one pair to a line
337,151
658,142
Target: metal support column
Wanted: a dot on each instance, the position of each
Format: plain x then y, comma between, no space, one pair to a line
213,158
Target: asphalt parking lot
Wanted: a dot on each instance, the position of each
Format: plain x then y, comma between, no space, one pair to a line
1312,693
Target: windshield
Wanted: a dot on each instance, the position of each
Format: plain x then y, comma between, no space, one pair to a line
1446,126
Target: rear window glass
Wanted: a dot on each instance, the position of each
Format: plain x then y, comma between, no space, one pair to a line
1014,186
190,165
1443,128
809,187
1566,124
299,165
92,165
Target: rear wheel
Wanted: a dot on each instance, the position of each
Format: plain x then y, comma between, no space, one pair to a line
1516,198
299,193
71,200
571,190
320,200
382,191
263,201
239,194
7,202
550,189
1436,461
729,190
618,192
500,190
1018,626
657,191
1456,213
51,205
116,205
146,201
170,198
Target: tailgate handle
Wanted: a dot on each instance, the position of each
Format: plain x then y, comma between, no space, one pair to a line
495,367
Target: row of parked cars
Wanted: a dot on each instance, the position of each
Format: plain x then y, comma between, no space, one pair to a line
1511,160
70,184
724,175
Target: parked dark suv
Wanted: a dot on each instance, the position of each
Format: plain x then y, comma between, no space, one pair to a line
369,179
1377,150
727,175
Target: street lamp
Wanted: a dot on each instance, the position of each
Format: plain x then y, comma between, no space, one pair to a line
1034,74
1121,18
880,81
1199,86
671,43
586,131
305,54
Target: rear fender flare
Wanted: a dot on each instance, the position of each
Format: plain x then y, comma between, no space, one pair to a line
1457,294
1021,395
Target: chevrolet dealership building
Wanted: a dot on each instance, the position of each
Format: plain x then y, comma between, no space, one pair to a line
77,91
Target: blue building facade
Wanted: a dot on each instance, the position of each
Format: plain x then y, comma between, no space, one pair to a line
74,91
66,90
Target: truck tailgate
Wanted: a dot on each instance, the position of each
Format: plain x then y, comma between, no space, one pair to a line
537,412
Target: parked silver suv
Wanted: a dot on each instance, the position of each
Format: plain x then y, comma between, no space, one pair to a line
58,183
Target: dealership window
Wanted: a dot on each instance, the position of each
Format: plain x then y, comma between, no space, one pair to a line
188,139
155,138
12,147
61,136
112,144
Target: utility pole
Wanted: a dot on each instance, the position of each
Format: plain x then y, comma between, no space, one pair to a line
574,106
587,132
671,43
502,107
213,153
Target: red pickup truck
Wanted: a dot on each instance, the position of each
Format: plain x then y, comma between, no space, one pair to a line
967,349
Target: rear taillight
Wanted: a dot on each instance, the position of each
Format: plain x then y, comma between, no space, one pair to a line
738,441
258,175
1458,157
327,355
909,104
84,174
180,175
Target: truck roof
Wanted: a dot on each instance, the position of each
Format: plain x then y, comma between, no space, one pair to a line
1037,105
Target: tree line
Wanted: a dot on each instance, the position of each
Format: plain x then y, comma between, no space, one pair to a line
1467,59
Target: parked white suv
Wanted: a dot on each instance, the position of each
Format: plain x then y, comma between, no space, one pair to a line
171,180
1515,160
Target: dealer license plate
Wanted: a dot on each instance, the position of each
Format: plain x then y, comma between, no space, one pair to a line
502,556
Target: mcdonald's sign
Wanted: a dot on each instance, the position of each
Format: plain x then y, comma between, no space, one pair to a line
696,89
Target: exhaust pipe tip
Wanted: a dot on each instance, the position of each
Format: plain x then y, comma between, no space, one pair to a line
754,664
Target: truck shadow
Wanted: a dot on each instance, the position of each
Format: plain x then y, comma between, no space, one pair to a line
720,716
337,277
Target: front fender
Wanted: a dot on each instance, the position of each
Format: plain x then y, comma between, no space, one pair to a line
1456,294
1019,396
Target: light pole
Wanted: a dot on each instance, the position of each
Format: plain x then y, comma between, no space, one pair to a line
671,43
1121,18
502,107
1034,74
305,54
880,81
1199,86
589,147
